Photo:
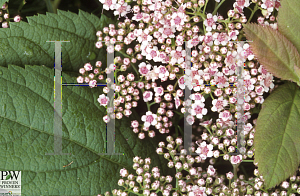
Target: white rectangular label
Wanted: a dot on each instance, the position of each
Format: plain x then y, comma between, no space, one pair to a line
10,183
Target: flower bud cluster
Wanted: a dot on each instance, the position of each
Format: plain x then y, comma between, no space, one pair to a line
5,17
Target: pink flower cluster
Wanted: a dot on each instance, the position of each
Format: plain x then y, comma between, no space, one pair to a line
159,31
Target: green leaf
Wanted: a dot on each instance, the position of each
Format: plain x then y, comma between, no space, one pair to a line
288,21
25,43
274,51
106,21
2,2
26,135
7,177
277,136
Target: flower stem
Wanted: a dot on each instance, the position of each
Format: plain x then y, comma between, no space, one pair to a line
211,96
247,160
254,10
205,6
148,105
209,130
216,9
180,130
235,166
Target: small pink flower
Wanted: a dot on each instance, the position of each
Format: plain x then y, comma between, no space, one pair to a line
229,132
206,76
159,91
233,34
99,44
268,5
206,123
147,96
218,92
103,100
127,112
108,4
181,82
80,79
219,104
4,25
248,53
249,82
190,119
178,55
122,9
207,49
123,172
6,16
152,74
177,19
221,80
98,64
152,53
215,141
220,38
225,115
134,124
88,67
197,96
138,16
130,77
82,70
229,175
197,191
262,70
106,119
177,102
193,171
198,109
93,83
161,71
17,18
5,6
91,75
259,90
195,41
144,69
86,80
232,100
236,159
204,150
167,31
110,49
149,119
267,82
210,22
211,170
96,71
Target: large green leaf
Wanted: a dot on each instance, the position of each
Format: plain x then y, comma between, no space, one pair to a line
26,135
274,51
25,43
288,21
277,136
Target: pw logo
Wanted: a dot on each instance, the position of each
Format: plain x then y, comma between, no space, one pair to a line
13,175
